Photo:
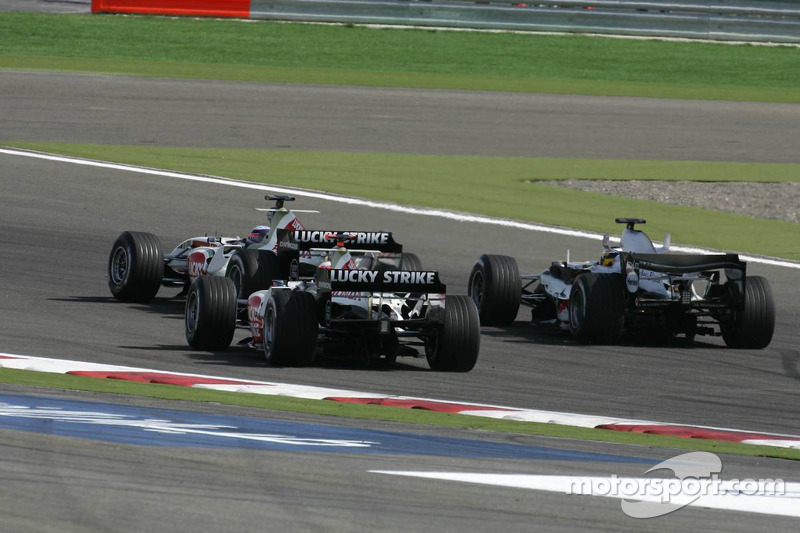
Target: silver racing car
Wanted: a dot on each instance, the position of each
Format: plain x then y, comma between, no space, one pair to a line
138,266
634,288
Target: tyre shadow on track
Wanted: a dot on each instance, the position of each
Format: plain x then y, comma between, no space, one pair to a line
244,357
169,307
356,365
236,355
523,331
791,362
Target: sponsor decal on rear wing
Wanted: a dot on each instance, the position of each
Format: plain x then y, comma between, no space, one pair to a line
380,281
298,240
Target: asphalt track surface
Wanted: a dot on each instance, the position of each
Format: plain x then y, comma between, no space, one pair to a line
120,110
90,485
59,221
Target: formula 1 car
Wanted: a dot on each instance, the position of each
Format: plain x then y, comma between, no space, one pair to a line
636,288
137,266
361,299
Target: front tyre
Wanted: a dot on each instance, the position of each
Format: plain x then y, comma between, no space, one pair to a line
456,346
410,262
135,267
597,308
253,270
290,328
496,289
753,323
210,316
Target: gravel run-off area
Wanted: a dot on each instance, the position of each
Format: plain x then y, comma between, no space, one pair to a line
779,201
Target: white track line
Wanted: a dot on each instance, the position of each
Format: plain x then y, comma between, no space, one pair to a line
726,496
310,392
449,215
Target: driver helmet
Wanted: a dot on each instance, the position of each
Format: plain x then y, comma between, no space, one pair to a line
608,258
325,265
258,234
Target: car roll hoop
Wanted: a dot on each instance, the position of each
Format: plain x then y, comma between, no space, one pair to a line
631,222
279,199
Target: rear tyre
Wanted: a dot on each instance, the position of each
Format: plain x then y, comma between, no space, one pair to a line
135,267
410,262
253,270
753,323
597,308
210,316
290,328
496,289
456,345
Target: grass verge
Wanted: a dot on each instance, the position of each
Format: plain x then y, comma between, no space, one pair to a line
493,186
347,55
374,412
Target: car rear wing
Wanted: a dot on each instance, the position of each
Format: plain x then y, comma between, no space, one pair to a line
683,271
685,263
399,281
303,240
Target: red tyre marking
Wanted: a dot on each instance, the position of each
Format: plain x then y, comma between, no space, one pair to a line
158,377
694,432
427,405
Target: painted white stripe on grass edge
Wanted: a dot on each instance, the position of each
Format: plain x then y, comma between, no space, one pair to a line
450,215
63,366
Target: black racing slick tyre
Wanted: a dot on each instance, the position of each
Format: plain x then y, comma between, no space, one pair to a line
253,270
597,308
753,323
135,267
290,328
410,262
496,289
456,346
210,316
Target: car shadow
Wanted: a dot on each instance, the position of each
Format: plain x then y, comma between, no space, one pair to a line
791,362
523,331
235,356
238,355
244,357
169,306
336,363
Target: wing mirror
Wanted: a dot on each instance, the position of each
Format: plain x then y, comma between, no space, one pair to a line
665,246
